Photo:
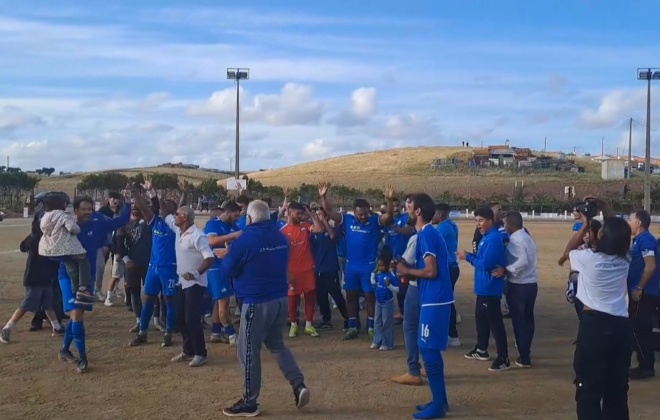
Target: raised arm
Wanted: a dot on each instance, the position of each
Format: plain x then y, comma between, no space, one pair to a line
119,221
145,209
327,206
387,218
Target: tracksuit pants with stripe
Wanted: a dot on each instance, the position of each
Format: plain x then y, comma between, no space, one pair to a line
263,324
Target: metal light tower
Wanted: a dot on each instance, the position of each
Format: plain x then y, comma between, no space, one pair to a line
648,75
237,74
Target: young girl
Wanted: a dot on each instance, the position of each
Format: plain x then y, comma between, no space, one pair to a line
59,241
387,285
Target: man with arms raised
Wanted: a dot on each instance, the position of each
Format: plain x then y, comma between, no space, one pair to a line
362,231
193,257
162,274
94,231
436,297
221,230
258,263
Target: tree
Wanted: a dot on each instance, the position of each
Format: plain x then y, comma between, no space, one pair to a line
164,181
98,185
15,188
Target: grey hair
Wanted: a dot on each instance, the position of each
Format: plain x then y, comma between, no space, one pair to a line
258,211
189,212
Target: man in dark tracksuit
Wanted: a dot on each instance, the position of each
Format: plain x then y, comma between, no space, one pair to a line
134,247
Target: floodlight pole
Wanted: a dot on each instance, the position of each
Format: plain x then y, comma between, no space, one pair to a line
237,74
648,75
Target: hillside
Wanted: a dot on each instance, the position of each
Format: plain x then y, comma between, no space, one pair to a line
409,169
67,183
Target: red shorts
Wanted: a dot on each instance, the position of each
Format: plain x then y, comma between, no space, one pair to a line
301,283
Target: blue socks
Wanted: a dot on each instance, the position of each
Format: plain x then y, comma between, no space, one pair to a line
229,330
216,328
171,316
145,316
352,323
435,371
370,323
68,337
78,333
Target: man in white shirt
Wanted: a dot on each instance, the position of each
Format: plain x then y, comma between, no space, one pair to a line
193,257
522,288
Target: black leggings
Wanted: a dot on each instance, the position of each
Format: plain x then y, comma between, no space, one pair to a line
601,363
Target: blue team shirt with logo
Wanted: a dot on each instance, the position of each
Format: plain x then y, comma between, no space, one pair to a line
383,294
436,291
162,243
397,242
644,245
219,228
324,251
361,239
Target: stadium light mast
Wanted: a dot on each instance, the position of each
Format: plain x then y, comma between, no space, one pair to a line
237,74
648,75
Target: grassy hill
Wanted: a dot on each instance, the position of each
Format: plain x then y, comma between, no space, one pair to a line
409,169
67,183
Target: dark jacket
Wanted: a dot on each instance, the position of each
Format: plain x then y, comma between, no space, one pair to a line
135,242
39,271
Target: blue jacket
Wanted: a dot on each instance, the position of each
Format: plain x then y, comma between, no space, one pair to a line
257,261
491,254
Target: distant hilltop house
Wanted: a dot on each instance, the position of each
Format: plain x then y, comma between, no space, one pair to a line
508,157
179,165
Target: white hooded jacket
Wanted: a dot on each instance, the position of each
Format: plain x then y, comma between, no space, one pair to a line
59,235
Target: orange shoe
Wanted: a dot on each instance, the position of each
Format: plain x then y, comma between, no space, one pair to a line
408,379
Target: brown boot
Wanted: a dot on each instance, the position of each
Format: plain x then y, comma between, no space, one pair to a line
408,379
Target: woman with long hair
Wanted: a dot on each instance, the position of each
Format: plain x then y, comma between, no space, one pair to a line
604,342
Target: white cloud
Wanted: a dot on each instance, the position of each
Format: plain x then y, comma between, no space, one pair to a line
364,105
13,119
294,105
614,108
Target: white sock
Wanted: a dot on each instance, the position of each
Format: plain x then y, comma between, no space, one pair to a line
137,320
108,294
56,325
9,326
308,324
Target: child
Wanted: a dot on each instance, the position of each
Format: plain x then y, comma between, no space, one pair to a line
387,285
59,241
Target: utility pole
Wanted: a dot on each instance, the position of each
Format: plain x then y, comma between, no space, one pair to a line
630,148
602,148
545,145
648,75
237,74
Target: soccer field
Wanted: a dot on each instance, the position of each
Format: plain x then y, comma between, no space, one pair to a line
347,379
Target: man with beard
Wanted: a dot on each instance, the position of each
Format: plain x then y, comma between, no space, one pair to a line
221,231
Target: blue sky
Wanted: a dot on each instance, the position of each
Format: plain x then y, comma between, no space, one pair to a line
96,85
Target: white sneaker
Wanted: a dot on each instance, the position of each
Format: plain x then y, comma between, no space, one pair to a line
198,361
108,302
454,342
100,296
458,318
233,339
118,293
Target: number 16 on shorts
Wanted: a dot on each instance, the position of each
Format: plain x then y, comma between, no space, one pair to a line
434,327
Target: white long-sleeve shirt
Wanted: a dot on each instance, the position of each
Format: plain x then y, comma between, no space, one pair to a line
192,248
521,258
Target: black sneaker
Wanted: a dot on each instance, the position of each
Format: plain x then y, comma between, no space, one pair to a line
241,409
138,340
301,394
500,365
82,366
323,325
167,340
638,373
477,354
67,356
523,363
36,327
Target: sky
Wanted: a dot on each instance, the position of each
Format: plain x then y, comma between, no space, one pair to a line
95,85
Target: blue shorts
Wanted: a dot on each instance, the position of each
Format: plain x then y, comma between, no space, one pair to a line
434,327
219,287
161,279
68,294
358,277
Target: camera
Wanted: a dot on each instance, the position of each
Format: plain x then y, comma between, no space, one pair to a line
589,209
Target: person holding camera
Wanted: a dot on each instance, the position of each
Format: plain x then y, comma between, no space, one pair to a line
604,343
643,291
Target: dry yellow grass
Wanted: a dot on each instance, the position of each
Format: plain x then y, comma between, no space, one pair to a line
410,169
67,183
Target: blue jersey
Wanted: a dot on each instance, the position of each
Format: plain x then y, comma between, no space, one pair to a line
644,245
397,241
438,290
324,251
449,232
361,239
94,233
241,222
162,243
217,227
341,246
383,293
577,226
